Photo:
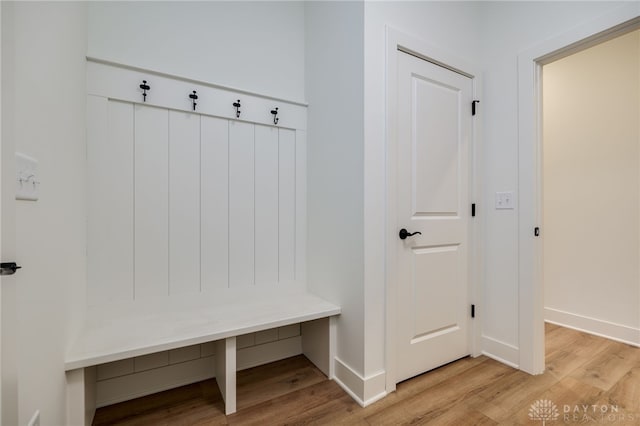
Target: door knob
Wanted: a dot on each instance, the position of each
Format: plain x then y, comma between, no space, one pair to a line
404,234
8,268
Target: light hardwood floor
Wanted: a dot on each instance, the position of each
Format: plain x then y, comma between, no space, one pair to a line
585,374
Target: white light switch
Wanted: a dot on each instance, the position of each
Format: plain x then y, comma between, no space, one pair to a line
27,184
505,200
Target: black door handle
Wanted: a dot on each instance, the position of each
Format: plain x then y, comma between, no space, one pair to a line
8,268
404,234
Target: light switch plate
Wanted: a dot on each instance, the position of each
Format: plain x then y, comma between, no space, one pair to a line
505,200
28,184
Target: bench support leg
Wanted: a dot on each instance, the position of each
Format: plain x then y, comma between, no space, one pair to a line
81,396
319,344
225,360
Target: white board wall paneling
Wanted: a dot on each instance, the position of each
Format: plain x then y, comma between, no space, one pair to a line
301,206
266,208
287,217
122,82
184,202
110,200
192,202
151,189
241,204
214,203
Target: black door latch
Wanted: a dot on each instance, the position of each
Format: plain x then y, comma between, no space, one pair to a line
9,268
404,234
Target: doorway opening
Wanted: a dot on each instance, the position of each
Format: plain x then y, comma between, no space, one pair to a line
530,120
591,189
591,204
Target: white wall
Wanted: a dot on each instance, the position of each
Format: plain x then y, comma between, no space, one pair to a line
509,28
334,87
591,163
256,46
450,26
48,121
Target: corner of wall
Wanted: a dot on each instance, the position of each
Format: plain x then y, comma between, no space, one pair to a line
49,74
364,390
334,81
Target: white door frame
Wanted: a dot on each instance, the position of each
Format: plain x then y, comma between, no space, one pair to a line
396,40
530,62
0,215
9,315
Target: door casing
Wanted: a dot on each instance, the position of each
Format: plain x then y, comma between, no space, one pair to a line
8,284
397,41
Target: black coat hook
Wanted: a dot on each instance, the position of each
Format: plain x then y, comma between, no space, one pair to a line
237,106
144,86
275,116
193,97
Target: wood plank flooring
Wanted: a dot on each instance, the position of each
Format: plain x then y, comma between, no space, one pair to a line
585,373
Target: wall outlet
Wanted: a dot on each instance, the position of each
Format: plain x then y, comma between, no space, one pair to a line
505,200
35,419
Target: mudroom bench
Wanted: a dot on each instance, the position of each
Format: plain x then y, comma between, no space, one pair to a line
117,332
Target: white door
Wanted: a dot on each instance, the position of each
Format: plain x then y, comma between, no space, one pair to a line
434,133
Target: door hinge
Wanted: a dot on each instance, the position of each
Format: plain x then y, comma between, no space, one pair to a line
473,210
473,106
536,231
473,311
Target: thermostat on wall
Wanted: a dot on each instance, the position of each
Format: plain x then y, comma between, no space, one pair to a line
27,184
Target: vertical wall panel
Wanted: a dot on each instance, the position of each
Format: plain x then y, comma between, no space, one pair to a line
287,218
266,170
110,200
214,171
301,206
151,201
184,202
241,204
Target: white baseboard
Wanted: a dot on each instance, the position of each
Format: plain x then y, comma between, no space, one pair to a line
130,386
364,390
597,327
501,351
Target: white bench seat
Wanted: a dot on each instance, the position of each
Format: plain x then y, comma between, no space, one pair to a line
128,330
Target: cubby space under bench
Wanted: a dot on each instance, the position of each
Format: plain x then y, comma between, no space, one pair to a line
130,330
